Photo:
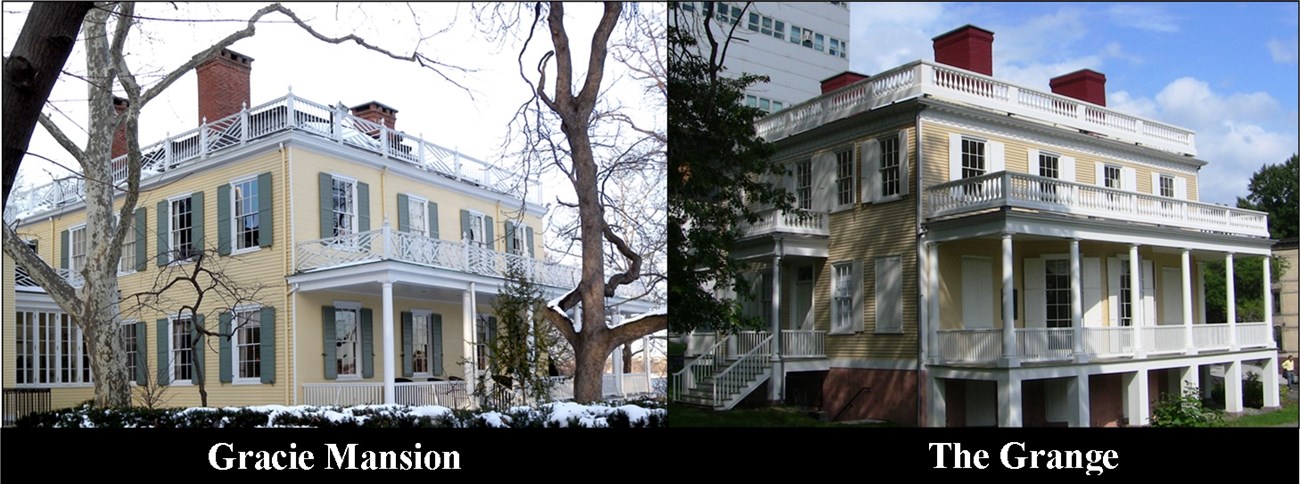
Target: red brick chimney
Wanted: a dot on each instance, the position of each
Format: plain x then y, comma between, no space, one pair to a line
840,80
376,112
1084,84
968,47
119,137
223,84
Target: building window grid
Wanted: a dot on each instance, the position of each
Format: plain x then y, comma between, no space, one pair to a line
49,349
344,196
417,216
127,262
890,176
129,339
1166,186
1125,295
844,180
1112,174
1057,290
803,184
843,296
77,254
182,225
347,338
972,163
420,344
246,205
1049,166
248,344
813,40
182,350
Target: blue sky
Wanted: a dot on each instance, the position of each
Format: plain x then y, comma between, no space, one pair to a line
1228,71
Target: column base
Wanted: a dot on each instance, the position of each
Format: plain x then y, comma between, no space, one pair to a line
1009,361
1081,357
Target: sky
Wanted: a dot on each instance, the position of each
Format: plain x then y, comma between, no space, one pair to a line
473,122
1227,71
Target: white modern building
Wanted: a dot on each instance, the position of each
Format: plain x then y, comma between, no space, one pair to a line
797,45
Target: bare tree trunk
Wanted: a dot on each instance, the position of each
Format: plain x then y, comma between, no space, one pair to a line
42,49
627,359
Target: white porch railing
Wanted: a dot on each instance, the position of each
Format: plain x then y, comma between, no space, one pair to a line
1021,190
1107,342
699,369
1045,344
970,345
1251,335
742,374
803,344
636,383
1158,340
1211,336
386,243
919,78
781,222
343,394
747,340
334,123
698,343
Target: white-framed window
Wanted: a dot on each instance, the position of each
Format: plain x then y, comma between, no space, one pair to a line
842,292
889,294
844,176
803,184
890,167
181,350
1056,289
126,264
972,158
245,206
485,329
766,25
417,215
246,343
344,206
129,344
421,344
49,349
1167,186
819,42
1125,295
181,228
1113,177
1049,165
518,240
477,230
77,249
347,338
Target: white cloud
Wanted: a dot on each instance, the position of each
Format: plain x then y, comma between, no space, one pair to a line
1283,51
1151,18
1116,50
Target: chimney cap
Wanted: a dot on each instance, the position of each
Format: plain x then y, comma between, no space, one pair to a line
232,56
961,29
846,73
1079,74
374,105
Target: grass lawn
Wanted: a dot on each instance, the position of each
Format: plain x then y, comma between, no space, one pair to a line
692,416
1289,414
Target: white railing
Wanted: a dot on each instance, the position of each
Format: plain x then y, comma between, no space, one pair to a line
919,78
1020,190
1107,342
734,380
1164,339
1211,336
699,369
451,394
343,394
1251,335
698,343
748,340
1045,344
388,244
970,345
335,123
797,222
561,387
803,344
636,383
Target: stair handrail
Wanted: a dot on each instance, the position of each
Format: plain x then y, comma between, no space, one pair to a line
745,362
689,374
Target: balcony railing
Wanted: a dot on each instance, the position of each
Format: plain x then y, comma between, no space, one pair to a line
334,123
795,222
388,244
920,78
984,346
1020,190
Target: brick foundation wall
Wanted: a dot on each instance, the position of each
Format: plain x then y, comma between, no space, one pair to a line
891,396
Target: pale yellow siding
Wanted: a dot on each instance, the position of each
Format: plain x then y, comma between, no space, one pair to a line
8,318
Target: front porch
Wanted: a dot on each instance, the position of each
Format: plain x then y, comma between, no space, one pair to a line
1049,345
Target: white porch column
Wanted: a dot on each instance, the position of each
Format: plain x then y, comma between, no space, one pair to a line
645,360
1189,343
1010,414
1232,387
1078,398
618,365
1008,308
470,356
1230,284
1188,377
1135,299
1076,303
1268,302
390,366
1270,380
936,351
937,390
1137,405
776,385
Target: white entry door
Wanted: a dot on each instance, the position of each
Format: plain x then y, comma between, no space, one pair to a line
1171,295
977,292
803,289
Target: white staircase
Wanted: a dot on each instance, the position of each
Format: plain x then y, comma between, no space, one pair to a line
721,379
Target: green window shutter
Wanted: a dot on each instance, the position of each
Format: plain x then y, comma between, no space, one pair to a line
164,360
326,205
363,207
433,220
464,224
196,207
329,343
403,213
435,331
528,239
141,242
510,234
408,345
265,212
223,327
367,343
487,232
164,248
200,350
141,352
267,344
65,239
223,219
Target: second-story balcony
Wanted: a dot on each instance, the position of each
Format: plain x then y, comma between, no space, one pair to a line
1024,191
805,222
